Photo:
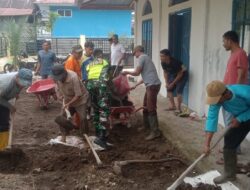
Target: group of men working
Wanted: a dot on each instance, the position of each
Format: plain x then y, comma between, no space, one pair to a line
80,77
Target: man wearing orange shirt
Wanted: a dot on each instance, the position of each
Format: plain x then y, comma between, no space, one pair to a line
73,62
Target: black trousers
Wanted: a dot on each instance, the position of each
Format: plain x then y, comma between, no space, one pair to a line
4,119
235,136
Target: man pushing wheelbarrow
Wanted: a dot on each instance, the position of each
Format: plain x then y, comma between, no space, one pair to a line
151,80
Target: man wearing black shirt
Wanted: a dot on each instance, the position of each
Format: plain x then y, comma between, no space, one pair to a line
175,75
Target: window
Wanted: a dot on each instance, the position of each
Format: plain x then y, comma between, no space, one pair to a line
64,12
147,31
241,22
174,2
147,9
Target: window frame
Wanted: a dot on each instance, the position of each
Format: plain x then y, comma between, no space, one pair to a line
64,12
147,36
175,2
243,22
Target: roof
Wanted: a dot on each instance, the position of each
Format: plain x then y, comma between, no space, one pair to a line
105,4
55,1
15,12
16,7
18,4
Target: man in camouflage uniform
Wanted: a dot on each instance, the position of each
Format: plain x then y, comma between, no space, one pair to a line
97,87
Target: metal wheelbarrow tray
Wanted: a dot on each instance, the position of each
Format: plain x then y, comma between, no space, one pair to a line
43,89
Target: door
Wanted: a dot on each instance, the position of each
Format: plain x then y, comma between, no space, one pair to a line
179,40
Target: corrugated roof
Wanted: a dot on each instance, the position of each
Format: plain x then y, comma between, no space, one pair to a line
15,12
55,1
105,4
18,4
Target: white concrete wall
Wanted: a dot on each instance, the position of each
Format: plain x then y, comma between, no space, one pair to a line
209,20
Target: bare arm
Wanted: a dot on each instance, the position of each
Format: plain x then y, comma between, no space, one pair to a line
240,78
120,61
72,101
209,136
165,77
179,75
135,72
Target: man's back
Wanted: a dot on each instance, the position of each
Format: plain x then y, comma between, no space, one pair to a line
149,73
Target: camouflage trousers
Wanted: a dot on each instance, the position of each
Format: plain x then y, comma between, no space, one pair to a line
100,103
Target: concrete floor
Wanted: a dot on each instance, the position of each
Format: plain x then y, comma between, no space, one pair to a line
188,136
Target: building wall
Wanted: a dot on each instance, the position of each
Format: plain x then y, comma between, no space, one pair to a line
93,23
207,55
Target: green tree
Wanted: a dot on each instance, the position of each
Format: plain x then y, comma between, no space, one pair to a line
52,19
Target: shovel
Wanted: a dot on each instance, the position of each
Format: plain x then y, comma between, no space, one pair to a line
119,164
12,115
190,168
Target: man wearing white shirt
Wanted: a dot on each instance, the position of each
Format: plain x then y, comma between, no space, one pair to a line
117,51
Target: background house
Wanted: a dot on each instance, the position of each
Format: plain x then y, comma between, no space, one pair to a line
92,20
23,13
192,30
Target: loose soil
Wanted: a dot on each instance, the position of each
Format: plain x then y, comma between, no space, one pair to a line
34,164
200,186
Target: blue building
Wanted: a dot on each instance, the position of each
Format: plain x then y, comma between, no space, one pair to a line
75,19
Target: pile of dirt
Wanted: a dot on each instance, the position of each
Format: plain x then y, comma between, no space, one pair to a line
200,186
14,160
61,167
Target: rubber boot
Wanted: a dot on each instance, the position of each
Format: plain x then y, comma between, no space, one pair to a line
145,123
101,140
154,131
230,164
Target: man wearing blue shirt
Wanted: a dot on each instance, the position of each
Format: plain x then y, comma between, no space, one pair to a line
46,60
235,99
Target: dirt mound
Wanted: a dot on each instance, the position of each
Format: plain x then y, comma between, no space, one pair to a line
61,167
14,160
200,186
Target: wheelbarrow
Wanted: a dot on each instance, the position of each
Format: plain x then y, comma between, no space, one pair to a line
43,89
122,115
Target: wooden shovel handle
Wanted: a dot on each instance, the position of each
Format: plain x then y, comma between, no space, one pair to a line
183,175
98,160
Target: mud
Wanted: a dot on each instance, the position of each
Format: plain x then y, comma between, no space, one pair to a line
43,166
244,169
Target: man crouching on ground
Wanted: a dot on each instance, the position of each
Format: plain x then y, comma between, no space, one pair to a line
234,99
11,85
74,96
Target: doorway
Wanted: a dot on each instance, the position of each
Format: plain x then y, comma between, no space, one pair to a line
179,40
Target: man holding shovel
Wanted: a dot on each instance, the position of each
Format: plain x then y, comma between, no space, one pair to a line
234,99
11,85
74,95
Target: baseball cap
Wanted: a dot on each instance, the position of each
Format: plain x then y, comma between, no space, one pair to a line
58,72
215,89
77,48
25,77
